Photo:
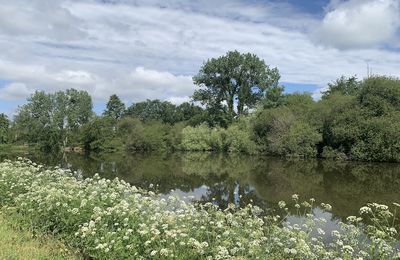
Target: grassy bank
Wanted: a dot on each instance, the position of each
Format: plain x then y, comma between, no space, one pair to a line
113,220
20,244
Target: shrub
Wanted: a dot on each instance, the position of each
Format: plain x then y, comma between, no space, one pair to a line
149,136
238,140
198,138
380,140
330,153
300,141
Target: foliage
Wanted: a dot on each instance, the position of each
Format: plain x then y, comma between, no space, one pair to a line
149,136
273,97
98,135
234,77
115,108
341,117
380,95
300,140
156,110
4,128
246,111
50,119
238,138
380,140
330,153
114,220
344,86
197,138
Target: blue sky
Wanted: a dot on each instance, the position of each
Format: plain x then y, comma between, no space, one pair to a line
147,49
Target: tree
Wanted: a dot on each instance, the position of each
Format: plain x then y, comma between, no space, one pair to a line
72,109
50,119
187,111
234,78
345,86
153,110
97,134
380,95
274,97
4,128
115,108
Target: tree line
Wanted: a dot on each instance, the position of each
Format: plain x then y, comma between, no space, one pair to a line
239,106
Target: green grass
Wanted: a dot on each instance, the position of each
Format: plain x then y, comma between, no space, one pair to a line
17,243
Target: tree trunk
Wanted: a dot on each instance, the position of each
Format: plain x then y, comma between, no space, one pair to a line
230,106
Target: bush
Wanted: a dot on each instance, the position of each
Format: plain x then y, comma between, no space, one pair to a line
330,153
380,140
300,141
238,139
200,138
380,95
279,132
269,126
98,135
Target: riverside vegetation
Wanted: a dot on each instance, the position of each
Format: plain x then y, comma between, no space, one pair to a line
110,219
243,109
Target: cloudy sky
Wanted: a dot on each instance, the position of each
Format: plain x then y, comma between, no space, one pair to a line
148,49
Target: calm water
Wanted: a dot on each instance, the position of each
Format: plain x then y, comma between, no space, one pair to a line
240,179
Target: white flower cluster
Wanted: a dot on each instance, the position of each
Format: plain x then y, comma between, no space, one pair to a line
110,219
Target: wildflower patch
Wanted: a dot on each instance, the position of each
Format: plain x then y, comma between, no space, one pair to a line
110,219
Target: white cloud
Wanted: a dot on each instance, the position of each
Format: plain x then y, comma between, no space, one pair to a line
360,23
15,91
151,48
46,18
75,77
143,84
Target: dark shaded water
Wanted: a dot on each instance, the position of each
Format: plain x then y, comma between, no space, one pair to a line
240,179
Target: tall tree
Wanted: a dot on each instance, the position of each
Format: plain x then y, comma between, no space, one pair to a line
234,78
4,128
115,108
50,119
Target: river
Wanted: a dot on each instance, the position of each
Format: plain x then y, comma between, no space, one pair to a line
241,179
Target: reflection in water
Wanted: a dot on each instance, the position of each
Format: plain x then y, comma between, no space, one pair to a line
240,179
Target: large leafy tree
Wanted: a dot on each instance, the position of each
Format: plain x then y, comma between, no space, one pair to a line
234,78
115,108
50,119
4,128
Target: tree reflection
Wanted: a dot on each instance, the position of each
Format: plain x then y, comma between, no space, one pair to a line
243,179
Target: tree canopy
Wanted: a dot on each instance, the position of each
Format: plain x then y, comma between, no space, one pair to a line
4,128
234,78
50,119
115,108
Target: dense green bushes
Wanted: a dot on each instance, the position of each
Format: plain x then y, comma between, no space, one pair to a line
236,138
110,219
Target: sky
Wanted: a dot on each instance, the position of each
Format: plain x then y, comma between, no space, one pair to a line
150,49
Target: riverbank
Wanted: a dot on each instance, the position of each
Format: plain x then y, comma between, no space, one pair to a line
107,219
18,243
